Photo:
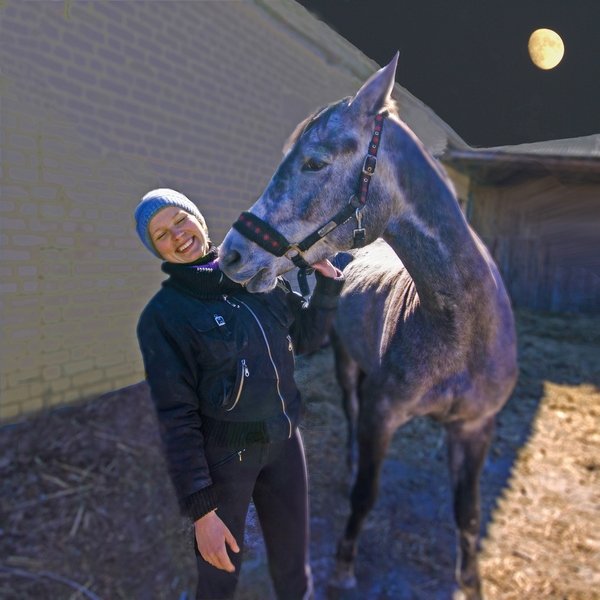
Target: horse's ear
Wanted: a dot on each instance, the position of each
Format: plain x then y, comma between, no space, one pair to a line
375,92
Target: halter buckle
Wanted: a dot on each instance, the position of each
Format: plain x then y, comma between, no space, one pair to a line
297,258
294,248
369,165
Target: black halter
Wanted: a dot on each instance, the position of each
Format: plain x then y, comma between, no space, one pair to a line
269,239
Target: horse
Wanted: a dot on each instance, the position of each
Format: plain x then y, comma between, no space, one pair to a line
424,324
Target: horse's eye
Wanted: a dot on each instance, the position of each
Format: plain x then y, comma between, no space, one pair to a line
313,164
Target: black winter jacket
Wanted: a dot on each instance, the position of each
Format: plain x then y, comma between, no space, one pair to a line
220,364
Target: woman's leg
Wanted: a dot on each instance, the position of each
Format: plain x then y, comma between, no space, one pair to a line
234,477
281,501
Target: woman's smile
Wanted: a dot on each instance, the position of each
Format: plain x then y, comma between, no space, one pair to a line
185,247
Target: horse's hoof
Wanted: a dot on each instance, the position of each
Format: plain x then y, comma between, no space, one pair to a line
343,577
466,593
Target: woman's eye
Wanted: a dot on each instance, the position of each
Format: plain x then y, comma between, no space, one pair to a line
181,220
313,164
160,235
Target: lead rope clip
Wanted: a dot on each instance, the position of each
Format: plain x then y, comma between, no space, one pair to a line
359,232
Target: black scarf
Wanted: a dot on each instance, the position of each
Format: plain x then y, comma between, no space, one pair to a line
202,279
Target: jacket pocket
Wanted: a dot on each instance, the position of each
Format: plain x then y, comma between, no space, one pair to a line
236,393
214,337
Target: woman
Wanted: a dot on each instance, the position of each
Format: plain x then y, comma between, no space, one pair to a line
220,362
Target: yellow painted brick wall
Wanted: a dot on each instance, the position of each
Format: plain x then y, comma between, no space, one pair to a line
102,101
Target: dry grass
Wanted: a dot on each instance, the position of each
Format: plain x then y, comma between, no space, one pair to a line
87,511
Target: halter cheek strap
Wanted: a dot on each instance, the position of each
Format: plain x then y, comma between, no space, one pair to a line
269,239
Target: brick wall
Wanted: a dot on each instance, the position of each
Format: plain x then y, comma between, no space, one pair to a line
104,100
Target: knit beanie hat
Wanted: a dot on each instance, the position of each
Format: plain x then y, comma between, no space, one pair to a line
156,200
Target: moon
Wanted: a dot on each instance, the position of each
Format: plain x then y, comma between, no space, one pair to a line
546,48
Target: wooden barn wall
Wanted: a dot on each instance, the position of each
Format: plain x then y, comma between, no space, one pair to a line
543,234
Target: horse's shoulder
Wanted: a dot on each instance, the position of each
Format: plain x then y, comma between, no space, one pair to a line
375,266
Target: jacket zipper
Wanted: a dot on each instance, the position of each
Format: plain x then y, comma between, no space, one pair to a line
245,373
228,458
291,348
226,298
272,362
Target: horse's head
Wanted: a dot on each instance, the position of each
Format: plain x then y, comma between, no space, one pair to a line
317,178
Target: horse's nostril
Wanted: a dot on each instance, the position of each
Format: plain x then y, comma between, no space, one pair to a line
232,258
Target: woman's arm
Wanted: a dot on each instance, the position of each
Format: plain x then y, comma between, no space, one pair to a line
314,319
173,383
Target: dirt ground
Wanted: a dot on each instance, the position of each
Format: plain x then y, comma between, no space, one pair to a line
87,510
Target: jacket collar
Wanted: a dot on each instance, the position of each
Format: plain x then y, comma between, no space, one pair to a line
202,279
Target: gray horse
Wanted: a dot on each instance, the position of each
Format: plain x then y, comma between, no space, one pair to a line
424,325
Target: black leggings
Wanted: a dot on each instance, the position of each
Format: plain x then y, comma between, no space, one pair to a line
274,476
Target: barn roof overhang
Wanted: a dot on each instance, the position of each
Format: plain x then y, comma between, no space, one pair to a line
574,160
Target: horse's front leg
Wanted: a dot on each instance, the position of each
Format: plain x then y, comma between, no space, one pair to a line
348,375
375,431
467,449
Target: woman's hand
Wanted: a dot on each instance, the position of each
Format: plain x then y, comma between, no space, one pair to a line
326,269
212,535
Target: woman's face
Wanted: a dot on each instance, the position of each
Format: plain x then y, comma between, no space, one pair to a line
177,235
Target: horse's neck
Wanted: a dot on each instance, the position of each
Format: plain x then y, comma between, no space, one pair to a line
431,236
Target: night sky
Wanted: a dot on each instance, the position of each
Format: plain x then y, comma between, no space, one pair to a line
468,61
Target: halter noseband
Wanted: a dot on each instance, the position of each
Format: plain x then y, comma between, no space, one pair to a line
269,239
